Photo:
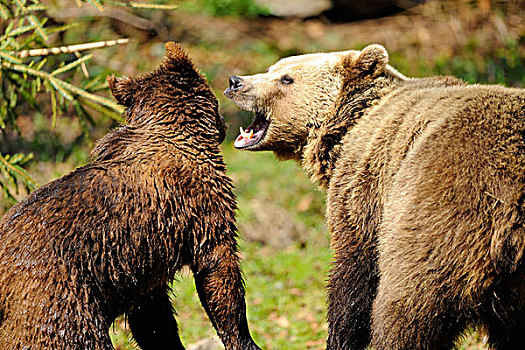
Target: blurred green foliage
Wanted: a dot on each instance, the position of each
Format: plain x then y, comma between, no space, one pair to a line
501,65
474,63
244,8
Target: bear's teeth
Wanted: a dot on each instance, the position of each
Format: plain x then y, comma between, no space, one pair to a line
245,134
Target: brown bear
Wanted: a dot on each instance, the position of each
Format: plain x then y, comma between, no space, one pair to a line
108,238
425,182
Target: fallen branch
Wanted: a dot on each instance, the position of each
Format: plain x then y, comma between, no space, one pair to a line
70,48
139,5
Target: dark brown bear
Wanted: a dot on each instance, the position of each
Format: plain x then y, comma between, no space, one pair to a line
425,182
108,238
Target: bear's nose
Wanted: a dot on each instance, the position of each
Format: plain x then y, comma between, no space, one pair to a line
235,83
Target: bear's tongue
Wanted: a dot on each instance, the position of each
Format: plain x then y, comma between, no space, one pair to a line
254,133
248,138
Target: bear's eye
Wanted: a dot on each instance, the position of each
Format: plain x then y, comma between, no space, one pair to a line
286,79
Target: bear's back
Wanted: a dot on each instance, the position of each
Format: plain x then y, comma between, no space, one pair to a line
96,225
485,118
481,128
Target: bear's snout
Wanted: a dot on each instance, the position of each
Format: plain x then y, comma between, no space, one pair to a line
235,83
244,91
237,90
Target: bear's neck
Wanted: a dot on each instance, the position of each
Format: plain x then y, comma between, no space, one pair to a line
185,136
325,140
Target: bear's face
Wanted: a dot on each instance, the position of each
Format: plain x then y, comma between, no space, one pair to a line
175,95
298,93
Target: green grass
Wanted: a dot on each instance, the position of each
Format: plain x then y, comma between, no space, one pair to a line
285,284
285,297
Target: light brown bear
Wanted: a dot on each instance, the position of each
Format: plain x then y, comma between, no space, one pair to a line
425,183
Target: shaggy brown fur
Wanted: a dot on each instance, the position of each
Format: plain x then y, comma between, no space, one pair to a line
108,238
425,183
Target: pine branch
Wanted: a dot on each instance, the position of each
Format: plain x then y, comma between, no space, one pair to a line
12,167
63,87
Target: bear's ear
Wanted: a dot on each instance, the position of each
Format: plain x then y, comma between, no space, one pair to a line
177,59
123,89
370,62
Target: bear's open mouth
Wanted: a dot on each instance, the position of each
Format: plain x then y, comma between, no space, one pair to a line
254,133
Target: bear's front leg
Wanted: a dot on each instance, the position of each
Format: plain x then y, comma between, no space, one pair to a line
152,322
351,291
220,287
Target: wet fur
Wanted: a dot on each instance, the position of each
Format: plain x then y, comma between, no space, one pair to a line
108,238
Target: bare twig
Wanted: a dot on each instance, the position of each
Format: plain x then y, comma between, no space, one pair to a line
139,5
70,48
